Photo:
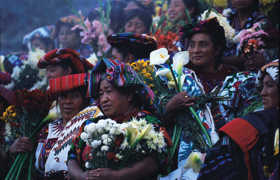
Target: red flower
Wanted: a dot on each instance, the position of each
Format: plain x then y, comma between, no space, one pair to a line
111,156
119,139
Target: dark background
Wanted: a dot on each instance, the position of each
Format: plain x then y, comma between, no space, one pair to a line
20,17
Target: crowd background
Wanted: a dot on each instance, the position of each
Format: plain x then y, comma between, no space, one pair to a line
105,89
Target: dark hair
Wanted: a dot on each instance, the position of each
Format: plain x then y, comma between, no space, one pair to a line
150,9
117,16
59,24
142,15
212,28
254,7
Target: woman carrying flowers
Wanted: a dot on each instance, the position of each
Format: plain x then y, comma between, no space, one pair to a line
121,96
51,153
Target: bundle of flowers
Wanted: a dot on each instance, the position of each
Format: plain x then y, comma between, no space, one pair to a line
28,76
252,40
26,118
114,145
95,32
166,40
229,31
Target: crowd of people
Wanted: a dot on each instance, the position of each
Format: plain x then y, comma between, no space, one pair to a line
145,89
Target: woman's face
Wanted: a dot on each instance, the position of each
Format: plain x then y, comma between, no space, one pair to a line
70,103
270,93
68,38
111,101
254,62
242,4
201,50
135,25
37,43
54,71
176,10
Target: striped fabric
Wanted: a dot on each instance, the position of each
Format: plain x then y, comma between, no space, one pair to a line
66,83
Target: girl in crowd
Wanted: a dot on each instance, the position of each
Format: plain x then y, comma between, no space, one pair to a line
248,148
121,95
137,21
67,38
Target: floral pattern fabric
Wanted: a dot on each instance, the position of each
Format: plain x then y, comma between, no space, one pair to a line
241,89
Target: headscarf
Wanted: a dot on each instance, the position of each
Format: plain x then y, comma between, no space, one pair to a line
67,83
42,32
122,76
136,44
272,69
79,64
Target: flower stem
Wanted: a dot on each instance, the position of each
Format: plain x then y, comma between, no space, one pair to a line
201,126
173,75
25,156
14,166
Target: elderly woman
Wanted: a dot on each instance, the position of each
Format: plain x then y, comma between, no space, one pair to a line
249,149
121,95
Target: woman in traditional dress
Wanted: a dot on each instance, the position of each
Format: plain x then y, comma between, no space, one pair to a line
121,95
249,146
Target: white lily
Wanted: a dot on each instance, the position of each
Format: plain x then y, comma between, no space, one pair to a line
194,161
159,56
179,60
165,72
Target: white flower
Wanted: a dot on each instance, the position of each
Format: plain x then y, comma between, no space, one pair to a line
93,59
16,72
84,136
119,156
34,57
229,31
159,56
179,60
194,161
95,144
227,12
104,148
165,72
88,165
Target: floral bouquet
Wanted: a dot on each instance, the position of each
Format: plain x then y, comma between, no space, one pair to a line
25,118
114,145
28,76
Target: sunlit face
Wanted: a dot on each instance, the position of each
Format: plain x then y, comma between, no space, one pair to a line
112,102
70,103
201,50
54,71
68,38
242,4
270,93
135,25
176,10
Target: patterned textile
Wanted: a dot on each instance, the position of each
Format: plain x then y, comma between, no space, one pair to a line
241,89
272,69
51,156
81,152
79,64
66,83
120,75
193,87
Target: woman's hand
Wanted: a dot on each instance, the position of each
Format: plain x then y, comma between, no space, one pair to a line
22,144
179,101
100,174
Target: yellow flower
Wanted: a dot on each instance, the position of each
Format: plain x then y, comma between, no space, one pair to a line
194,161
